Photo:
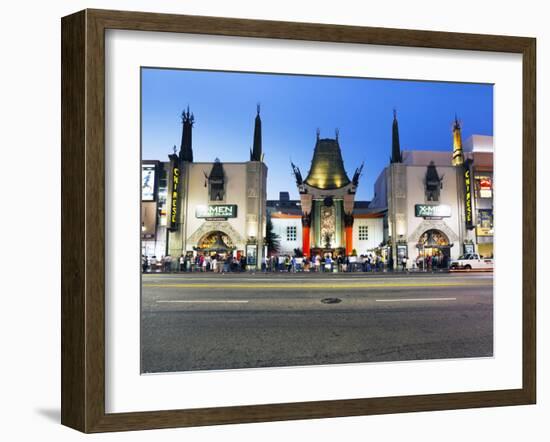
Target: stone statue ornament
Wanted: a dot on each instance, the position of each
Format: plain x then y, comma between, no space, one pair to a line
433,183
357,174
297,174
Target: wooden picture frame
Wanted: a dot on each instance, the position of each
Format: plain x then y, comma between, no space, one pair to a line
83,219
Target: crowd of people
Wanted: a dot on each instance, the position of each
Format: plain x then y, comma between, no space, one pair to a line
290,263
432,262
198,263
324,263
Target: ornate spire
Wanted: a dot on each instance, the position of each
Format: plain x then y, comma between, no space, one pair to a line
256,154
458,154
186,147
396,156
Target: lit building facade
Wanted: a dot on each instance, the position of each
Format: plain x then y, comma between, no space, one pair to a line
426,203
480,149
210,207
329,220
154,192
437,203
286,218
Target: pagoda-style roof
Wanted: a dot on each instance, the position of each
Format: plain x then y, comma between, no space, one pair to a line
327,167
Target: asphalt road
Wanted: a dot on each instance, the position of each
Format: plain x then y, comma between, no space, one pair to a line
211,321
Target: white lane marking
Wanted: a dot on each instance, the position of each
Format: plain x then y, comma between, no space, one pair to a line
414,299
205,302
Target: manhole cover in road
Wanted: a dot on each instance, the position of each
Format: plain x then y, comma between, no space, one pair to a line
331,300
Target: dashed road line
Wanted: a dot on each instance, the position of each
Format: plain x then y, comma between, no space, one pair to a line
198,301
414,299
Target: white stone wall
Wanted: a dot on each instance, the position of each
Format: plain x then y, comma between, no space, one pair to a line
380,198
375,235
280,226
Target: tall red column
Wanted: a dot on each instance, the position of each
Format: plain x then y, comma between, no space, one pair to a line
349,240
306,229
305,240
348,225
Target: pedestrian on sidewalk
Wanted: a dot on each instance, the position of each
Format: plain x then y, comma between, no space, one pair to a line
167,263
182,263
328,263
243,263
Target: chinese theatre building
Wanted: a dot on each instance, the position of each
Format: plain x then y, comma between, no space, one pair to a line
286,220
439,203
216,207
327,203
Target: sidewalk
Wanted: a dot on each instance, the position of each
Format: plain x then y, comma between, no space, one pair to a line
299,275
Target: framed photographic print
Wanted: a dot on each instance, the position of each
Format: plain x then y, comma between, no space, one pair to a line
268,221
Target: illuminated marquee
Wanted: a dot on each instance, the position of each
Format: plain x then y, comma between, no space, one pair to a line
148,182
175,197
217,211
483,185
432,211
484,222
468,212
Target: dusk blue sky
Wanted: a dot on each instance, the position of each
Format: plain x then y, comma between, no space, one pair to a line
293,107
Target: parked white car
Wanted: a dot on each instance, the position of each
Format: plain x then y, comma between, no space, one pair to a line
472,261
